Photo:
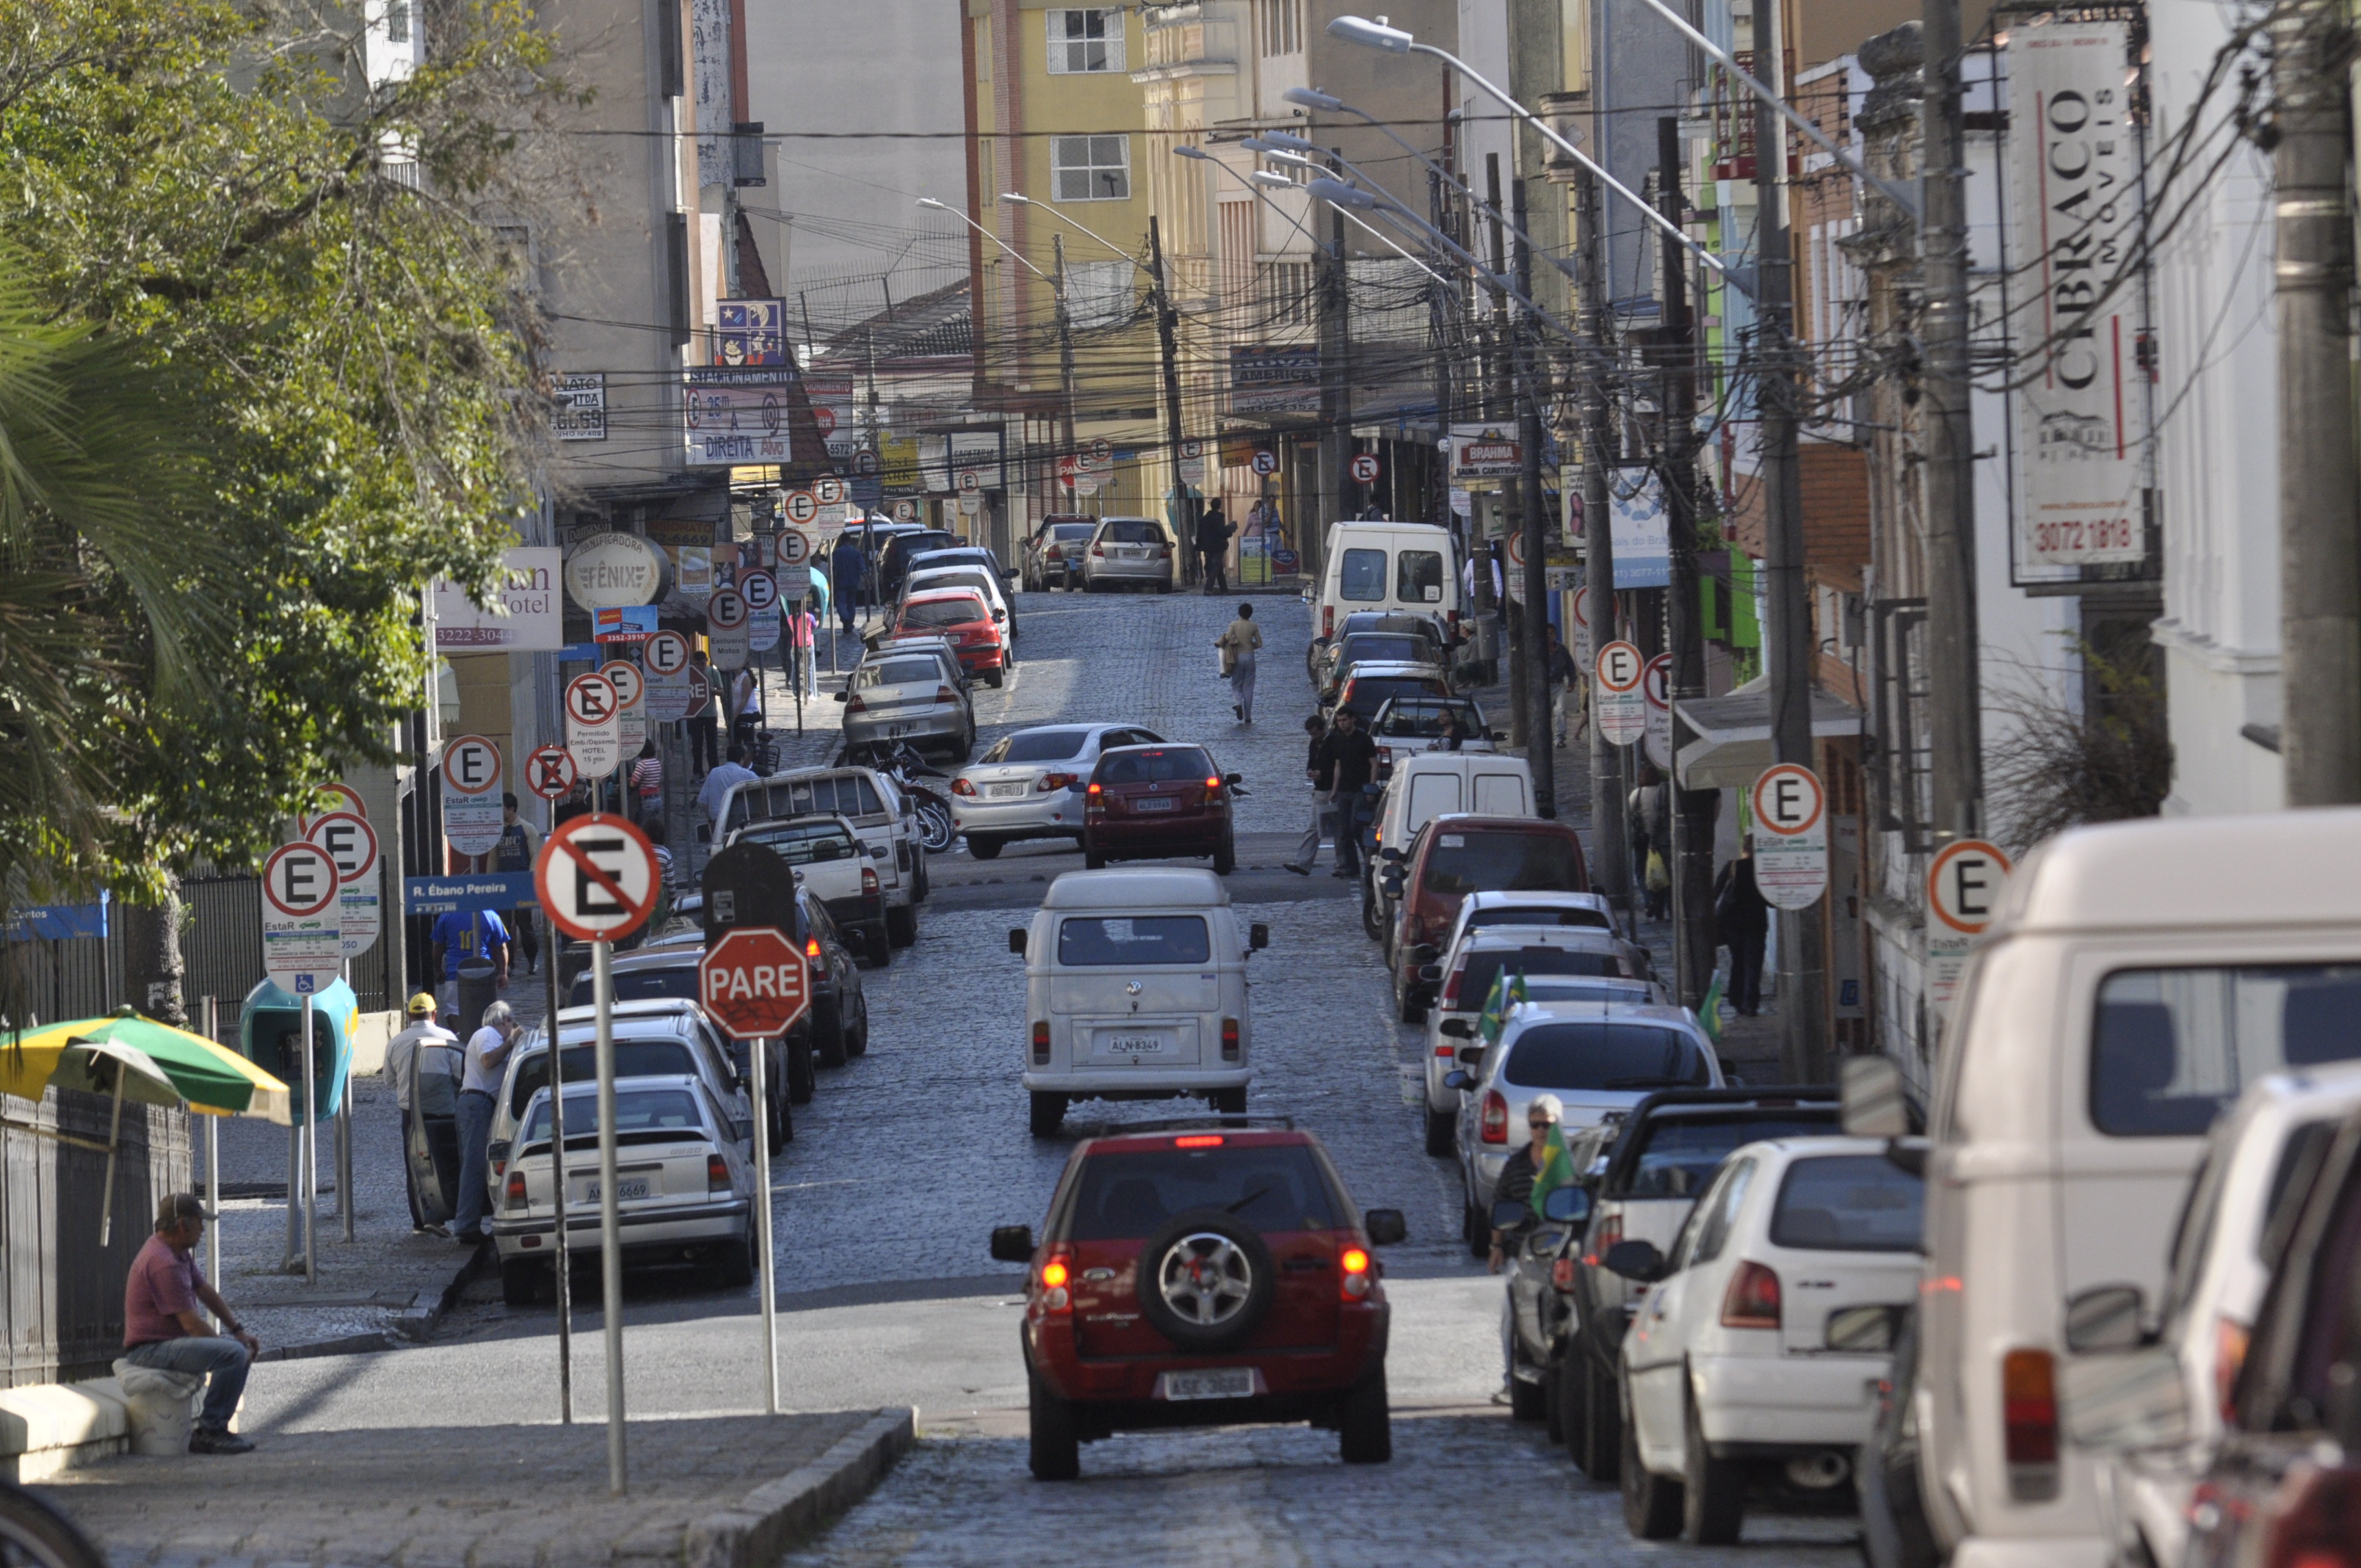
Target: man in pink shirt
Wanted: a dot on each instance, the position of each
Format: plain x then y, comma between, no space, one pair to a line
162,1328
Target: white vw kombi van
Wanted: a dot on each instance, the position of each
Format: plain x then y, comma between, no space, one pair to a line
1136,983
1408,569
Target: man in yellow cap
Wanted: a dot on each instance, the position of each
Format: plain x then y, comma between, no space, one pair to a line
421,1052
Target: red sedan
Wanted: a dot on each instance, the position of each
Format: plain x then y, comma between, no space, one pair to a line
960,618
1147,801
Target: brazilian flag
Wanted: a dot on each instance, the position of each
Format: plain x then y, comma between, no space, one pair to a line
1557,1167
1507,990
1709,1010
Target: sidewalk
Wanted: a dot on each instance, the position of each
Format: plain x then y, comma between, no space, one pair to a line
713,1492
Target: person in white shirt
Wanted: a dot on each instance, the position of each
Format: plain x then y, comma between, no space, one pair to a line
424,1050
487,1055
718,782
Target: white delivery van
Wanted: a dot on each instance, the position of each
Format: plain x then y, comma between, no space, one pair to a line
1438,783
1136,984
2136,978
1407,568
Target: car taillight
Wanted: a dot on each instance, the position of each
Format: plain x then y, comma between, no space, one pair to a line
2230,1338
1446,1053
856,704
960,787
811,947
1752,1300
1040,1042
1056,782
1327,620
1455,626
1212,786
1450,1000
1052,554
1163,553
1495,1117
2028,1399
1359,1278
945,694
1562,1274
868,882
1055,1272
516,1189
1608,1232
1229,1039
1099,550
2314,1521
1097,789
717,1174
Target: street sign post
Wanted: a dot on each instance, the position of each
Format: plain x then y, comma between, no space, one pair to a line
1963,887
801,507
1791,836
550,773
1656,689
1623,710
1364,468
761,591
591,731
351,843
1265,461
631,709
301,952
725,629
471,795
666,654
598,879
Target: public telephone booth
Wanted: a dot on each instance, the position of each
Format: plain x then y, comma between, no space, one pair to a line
271,1036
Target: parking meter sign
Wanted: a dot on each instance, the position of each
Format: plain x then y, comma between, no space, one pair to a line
302,933
1622,709
550,773
591,731
471,795
351,845
1790,807
597,877
802,507
631,705
1963,888
755,981
726,616
830,490
666,654
1656,688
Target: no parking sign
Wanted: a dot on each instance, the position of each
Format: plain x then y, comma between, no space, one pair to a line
1623,710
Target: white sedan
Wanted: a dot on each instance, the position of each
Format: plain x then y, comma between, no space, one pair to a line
1030,785
1756,1354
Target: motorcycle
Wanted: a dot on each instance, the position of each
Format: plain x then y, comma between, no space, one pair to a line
900,762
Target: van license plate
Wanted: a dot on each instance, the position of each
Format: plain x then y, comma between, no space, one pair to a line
1229,1383
1153,803
624,1191
1134,1045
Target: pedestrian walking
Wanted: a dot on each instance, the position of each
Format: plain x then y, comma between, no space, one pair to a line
745,706
647,784
716,784
487,1055
654,834
1321,770
1354,756
163,1331
463,937
1741,922
803,636
407,1063
1239,644
849,572
1566,691
514,853
1214,531
1649,824
704,726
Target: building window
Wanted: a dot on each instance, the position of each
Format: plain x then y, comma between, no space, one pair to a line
1092,169
1279,27
1085,41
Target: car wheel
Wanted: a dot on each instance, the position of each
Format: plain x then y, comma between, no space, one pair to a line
1652,1503
879,945
1442,1135
984,847
803,1078
1602,1436
1227,1102
1526,1400
1365,1431
1369,922
1226,856
1206,1279
1713,1491
992,678
1573,1410
1092,860
1056,1443
827,1038
778,1126
902,924
733,1267
1049,1114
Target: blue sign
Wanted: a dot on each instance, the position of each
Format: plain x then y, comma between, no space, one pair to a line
58,922
631,623
465,892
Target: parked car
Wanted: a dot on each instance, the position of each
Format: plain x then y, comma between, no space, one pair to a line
1420,881
684,1189
1136,983
1129,551
961,616
880,810
957,572
1666,1151
1483,910
1436,783
1756,1358
1375,647
2099,1028
906,696
1031,784
1053,556
1407,726
1209,1275
829,857
965,555
1150,802
894,557
1397,567
1434,627
654,1037
1368,686
668,975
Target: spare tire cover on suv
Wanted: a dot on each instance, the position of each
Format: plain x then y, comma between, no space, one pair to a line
1205,1280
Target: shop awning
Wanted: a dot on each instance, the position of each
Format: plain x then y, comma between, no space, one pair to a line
1733,734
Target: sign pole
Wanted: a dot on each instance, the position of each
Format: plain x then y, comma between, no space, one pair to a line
345,1145
611,1257
311,1150
562,1192
213,1162
765,1280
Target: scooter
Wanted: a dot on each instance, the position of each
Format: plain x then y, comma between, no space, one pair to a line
900,762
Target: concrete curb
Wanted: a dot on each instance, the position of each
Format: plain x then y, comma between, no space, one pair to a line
777,1514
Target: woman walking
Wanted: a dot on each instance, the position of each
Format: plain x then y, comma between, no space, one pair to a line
647,782
1238,645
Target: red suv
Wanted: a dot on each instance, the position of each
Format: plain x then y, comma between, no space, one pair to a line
1421,891
1202,1274
1147,801
960,618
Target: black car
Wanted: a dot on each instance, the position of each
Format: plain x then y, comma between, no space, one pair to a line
893,561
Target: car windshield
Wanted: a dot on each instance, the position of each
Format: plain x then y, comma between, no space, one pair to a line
826,794
1386,647
2170,1049
1424,720
1513,915
1480,969
672,981
1069,530
1125,1196
1678,1155
804,843
954,612
1039,746
655,1057
1131,530
1130,941
642,1116
1418,576
1605,1055
1554,988
1366,694
1163,765
1855,1203
1362,577
897,673
1465,861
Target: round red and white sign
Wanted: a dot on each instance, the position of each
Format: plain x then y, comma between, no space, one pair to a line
666,654
1623,710
1791,836
761,589
352,845
302,926
1963,884
726,610
549,772
828,492
1364,468
471,795
802,507
590,701
596,876
335,798
624,676
592,732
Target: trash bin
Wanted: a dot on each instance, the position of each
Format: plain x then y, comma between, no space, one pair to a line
477,992
161,1407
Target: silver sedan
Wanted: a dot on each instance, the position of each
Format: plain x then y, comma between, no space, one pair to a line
1129,551
893,696
1030,785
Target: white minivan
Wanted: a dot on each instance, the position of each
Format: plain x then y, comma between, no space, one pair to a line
2136,977
1408,568
1136,983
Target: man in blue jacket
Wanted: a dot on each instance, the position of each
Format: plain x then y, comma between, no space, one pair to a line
849,576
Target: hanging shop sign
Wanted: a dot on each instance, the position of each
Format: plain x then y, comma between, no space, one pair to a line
525,617
1642,529
609,570
1484,452
579,406
736,414
749,332
1275,379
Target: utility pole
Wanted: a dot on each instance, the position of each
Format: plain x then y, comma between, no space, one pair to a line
1439,498
1501,395
1954,689
1610,849
1803,942
1336,393
1541,757
1693,811
1166,319
2320,565
1065,336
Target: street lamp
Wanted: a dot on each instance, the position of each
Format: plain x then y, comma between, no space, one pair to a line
1360,200
1272,181
1015,254
1016,200
1057,297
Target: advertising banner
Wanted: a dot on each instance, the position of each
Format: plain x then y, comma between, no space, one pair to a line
1275,379
1641,529
736,415
529,618
1484,452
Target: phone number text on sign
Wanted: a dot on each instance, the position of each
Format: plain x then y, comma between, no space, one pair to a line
2073,541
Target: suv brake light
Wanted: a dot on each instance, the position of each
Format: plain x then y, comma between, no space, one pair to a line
1229,1039
516,1189
868,882
1040,1042
2029,1395
1495,1117
1327,620
717,1174
1752,1300
1360,1278
1056,1271
1608,1232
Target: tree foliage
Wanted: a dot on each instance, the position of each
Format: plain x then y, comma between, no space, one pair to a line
267,355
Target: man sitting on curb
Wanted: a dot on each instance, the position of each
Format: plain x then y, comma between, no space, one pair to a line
163,1331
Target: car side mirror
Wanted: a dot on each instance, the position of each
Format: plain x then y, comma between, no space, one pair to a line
1508,1214
1876,1102
1000,615
1385,1227
877,851
1012,1244
1258,935
2127,1402
1016,946
1472,1057
1499,735
1391,883
1567,1206
1389,854
1637,1260
1457,1028
2106,1318
1457,1078
1234,780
